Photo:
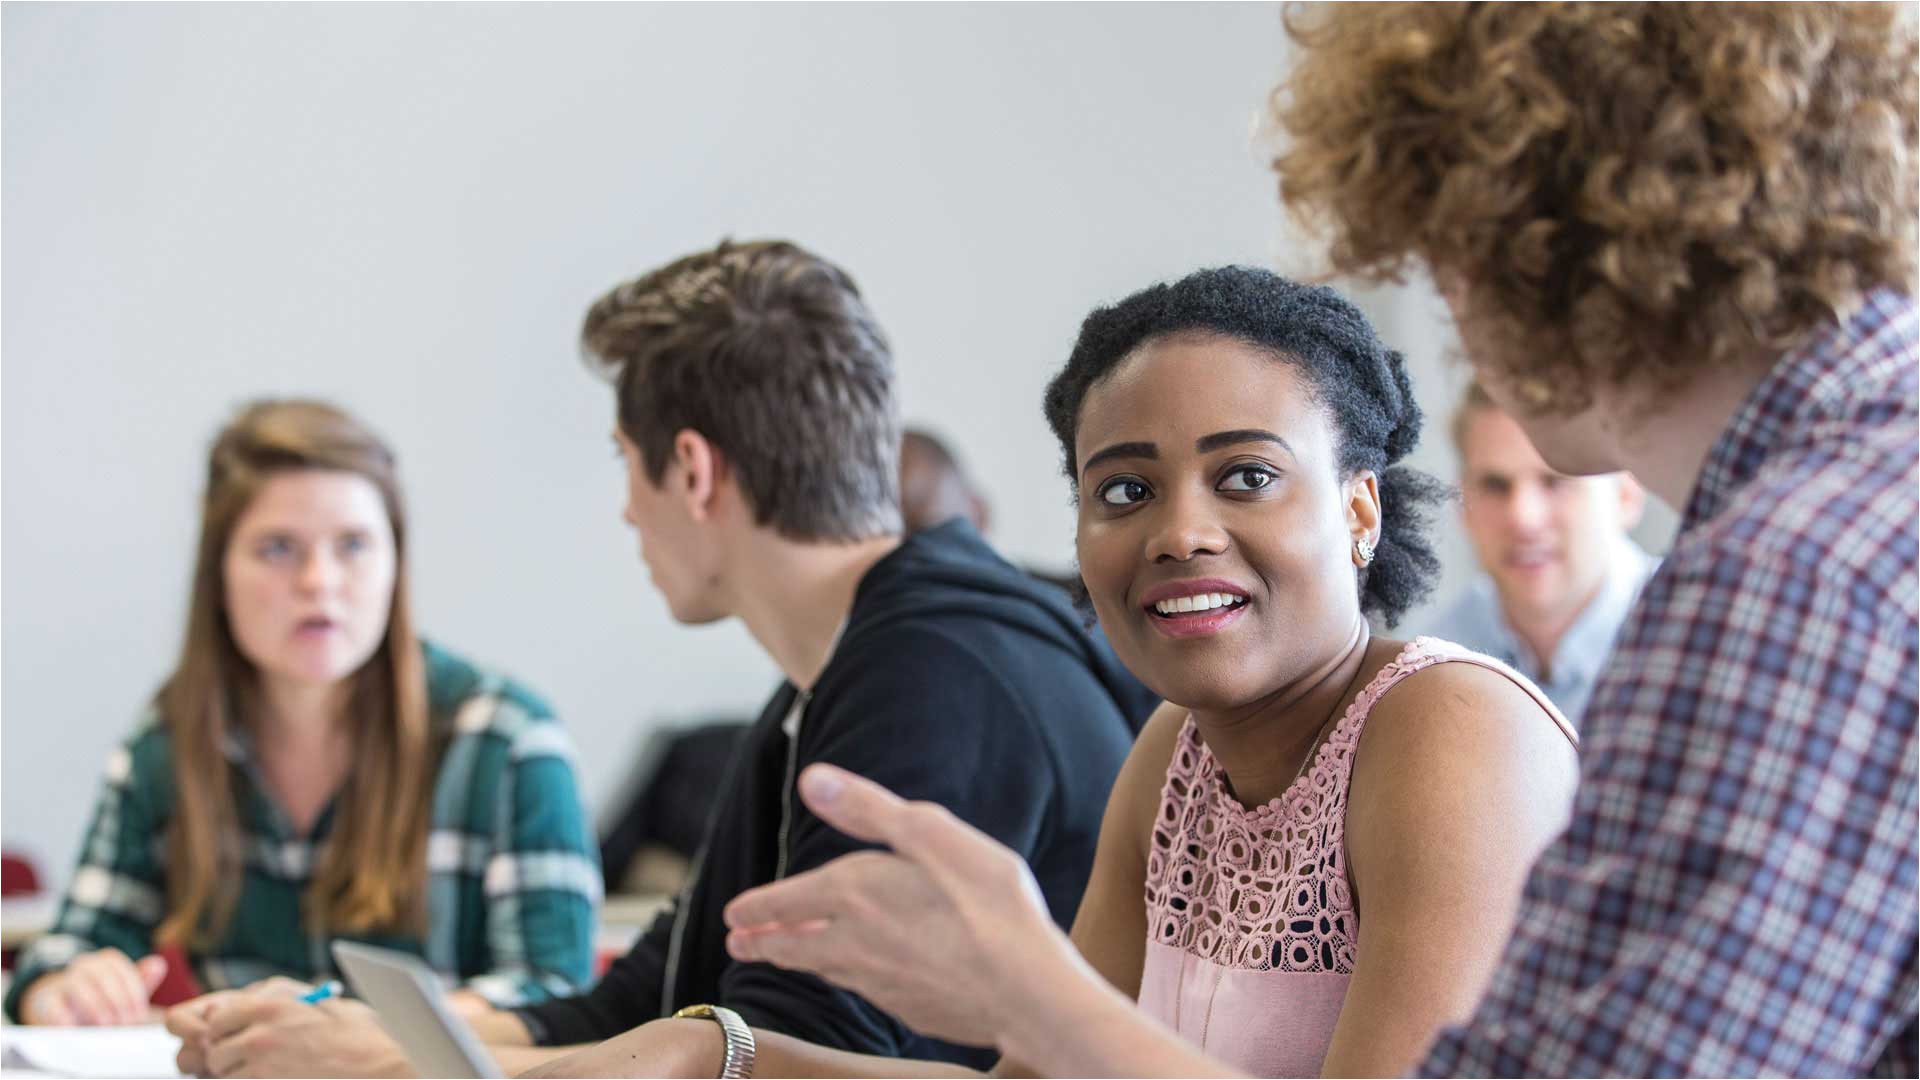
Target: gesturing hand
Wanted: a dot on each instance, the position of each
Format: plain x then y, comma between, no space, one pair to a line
947,931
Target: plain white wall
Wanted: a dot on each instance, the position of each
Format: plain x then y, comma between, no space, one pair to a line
406,208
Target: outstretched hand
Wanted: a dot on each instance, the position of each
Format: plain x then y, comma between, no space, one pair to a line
947,931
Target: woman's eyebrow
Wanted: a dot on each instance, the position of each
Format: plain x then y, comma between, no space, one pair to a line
1208,443
1121,450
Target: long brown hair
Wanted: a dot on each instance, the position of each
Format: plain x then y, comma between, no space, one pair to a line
371,873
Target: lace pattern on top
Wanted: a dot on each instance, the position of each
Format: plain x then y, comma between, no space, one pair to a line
1265,889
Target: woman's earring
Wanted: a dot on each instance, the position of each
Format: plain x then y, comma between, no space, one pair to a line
1363,548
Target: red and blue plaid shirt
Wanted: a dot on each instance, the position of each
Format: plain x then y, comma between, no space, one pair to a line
1735,895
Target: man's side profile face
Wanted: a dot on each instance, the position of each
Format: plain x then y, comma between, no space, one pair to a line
1543,536
680,552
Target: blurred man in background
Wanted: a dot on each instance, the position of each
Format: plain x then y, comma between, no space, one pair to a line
1559,570
934,487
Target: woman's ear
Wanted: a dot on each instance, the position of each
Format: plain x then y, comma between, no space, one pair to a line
1363,514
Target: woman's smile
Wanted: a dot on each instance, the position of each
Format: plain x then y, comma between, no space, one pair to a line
1195,607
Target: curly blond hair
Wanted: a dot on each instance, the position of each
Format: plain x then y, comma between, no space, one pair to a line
1630,191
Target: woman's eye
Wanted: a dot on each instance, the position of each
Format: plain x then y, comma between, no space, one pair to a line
275,548
1246,478
1123,492
352,544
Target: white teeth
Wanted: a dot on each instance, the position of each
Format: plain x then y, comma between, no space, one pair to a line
1202,602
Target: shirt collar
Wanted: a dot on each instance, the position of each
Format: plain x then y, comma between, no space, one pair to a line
1807,382
1583,649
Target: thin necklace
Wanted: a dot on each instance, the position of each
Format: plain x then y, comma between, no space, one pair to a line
1322,729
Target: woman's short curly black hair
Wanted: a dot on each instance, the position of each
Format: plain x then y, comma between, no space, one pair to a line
1359,381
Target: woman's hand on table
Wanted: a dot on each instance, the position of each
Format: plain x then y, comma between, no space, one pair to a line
99,988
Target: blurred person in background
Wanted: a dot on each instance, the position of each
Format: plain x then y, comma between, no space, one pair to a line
312,770
1558,568
934,488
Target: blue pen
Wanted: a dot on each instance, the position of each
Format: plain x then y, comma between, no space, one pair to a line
330,988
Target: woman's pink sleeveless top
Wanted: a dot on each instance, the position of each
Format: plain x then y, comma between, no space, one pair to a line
1250,916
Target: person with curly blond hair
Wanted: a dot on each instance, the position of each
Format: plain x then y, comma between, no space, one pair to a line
1677,239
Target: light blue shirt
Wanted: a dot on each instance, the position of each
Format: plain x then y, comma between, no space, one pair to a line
1476,621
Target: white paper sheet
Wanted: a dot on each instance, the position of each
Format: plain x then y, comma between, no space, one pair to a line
146,1051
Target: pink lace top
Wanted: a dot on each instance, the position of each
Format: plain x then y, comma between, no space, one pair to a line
1250,915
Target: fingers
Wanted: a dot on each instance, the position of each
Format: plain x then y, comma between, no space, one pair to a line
129,987
850,803
152,971
923,835
923,832
189,1018
83,1002
58,1012
189,1021
799,946
192,1058
809,897
244,1010
344,1010
185,1020
281,985
103,988
228,1057
46,1002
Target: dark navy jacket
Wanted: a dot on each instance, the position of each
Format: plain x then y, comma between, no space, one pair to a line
959,679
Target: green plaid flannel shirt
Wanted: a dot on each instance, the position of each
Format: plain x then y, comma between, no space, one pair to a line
513,887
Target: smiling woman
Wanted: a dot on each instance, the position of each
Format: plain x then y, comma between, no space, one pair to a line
1233,441
306,755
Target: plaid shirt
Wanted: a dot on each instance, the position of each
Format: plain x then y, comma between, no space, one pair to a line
1736,893
513,874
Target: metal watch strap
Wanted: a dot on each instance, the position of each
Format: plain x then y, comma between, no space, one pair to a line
738,1062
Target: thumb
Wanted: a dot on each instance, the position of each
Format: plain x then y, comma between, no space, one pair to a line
852,804
922,833
152,969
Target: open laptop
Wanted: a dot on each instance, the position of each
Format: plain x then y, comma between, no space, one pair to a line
407,997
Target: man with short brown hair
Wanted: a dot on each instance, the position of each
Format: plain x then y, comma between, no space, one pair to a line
1558,570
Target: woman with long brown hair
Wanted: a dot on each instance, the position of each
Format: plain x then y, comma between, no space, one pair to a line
312,770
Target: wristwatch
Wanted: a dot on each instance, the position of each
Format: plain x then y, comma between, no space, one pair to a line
738,1062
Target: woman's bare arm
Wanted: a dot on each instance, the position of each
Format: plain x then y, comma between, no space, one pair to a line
1459,782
